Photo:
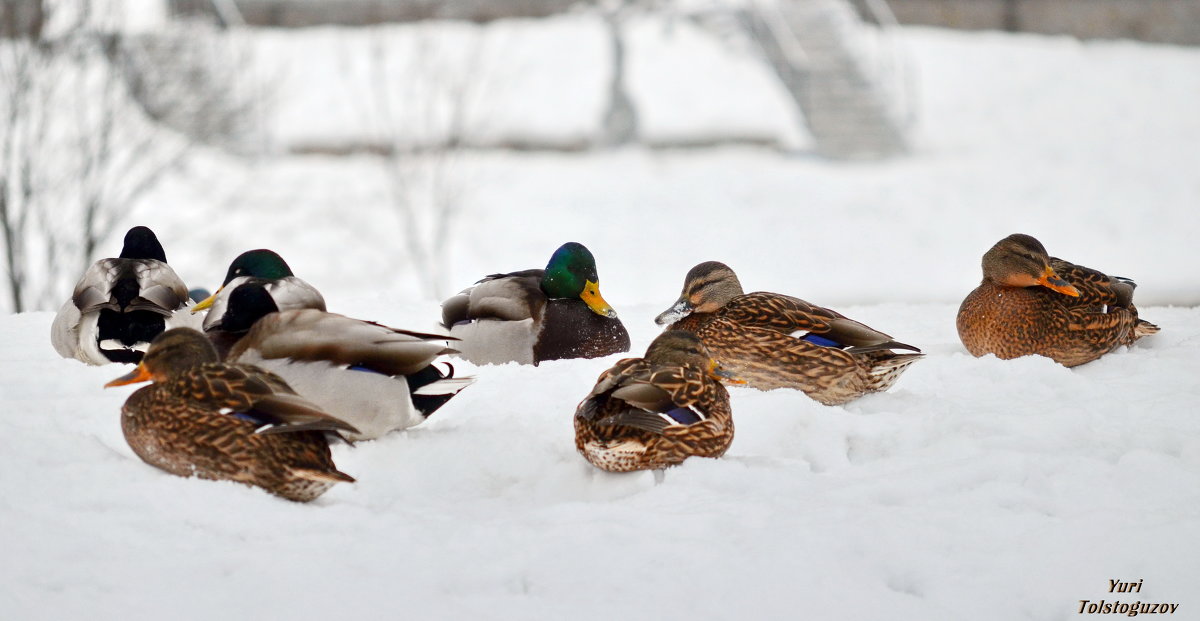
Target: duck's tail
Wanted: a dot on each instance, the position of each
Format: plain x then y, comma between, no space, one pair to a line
329,475
1144,328
885,368
431,388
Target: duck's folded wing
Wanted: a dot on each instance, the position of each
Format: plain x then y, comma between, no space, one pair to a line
508,297
260,395
291,413
93,291
610,380
797,318
312,335
1095,287
160,289
662,402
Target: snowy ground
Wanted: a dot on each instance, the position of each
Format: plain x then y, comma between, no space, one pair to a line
999,490
976,488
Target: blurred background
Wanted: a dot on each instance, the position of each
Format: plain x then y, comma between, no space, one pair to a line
846,152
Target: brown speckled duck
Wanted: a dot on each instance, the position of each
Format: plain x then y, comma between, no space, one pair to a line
773,341
654,412
229,422
1032,303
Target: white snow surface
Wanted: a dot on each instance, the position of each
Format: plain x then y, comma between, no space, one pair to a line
975,488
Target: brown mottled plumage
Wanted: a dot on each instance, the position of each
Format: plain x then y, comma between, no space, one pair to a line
229,422
654,412
1031,303
761,338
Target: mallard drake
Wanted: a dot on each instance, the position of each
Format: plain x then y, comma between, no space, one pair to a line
536,315
377,378
777,341
120,304
1032,303
264,267
233,422
656,411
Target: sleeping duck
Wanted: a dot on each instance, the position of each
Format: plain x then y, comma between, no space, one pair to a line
201,417
774,341
267,268
121,304
376,378
654,412
1030,303
536,315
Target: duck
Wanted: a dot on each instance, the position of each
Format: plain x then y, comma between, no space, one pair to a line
656,411
214,420
120,304
1030,303
377,378
263,266
771,341
536,315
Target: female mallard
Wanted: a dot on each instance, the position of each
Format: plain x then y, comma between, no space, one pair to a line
258,266
777,341
121,304
654,412
1032,303
376,378
537,315
229,422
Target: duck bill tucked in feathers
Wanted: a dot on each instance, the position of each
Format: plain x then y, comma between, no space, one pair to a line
719,373
1052,281
680,309
207,302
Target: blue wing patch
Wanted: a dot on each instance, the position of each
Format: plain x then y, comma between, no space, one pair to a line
684,416
822,341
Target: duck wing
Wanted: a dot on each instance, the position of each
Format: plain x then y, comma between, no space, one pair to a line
509,297
311,335
635,395
1095,287
158,288
256,394
797,318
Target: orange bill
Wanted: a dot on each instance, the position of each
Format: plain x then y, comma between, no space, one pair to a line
591,297
138,374
1051,280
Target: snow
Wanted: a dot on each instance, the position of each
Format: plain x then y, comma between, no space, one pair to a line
1006,489
975,488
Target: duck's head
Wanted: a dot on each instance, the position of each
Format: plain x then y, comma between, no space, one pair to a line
677,348
170,354
571,273
142,243
1022,261
260,263
706,288
247,303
